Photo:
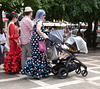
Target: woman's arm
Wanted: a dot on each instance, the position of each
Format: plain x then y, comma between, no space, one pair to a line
13,36
39,24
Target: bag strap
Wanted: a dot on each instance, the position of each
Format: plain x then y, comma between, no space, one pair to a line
37,21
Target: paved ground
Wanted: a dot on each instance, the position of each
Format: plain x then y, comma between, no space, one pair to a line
74,81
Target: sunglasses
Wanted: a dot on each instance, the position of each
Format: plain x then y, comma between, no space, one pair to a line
44,15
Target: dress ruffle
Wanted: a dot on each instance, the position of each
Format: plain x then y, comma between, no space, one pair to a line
12,62
37,68
12,37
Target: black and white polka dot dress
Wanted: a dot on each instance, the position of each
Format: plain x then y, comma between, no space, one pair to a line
37,66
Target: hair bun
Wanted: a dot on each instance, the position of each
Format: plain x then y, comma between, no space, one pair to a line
11,16
8,16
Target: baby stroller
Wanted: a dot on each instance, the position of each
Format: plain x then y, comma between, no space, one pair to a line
67,62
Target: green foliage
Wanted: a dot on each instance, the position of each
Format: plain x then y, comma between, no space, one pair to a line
56,10
70,10
11,5
82,10
34,4
38,4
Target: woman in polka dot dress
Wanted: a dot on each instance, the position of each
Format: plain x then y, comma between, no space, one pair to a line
37,66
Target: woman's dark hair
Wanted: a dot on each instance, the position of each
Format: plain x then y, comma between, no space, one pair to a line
20,17
27,13
11,16
17,23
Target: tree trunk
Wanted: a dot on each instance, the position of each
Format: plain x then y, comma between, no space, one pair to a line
89,34
94,33
1,22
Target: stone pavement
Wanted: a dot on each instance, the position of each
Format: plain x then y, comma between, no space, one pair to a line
74,81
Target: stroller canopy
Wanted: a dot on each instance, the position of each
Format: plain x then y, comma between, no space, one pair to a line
56,36
80,43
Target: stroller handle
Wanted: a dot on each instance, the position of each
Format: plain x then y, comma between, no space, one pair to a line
53,42
50,41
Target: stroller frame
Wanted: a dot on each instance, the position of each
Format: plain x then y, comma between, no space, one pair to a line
64,66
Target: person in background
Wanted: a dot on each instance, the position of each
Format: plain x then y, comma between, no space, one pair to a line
19,19
70,30
50,29
2,40
79,32
6,47
12,62
37,66
2,45
1,56
26,26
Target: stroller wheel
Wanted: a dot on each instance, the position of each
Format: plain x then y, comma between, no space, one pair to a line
63,73
84,73
54,70
78,71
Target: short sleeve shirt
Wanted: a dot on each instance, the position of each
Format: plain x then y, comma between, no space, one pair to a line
26,27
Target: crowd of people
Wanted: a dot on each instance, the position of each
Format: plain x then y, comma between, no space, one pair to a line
24,40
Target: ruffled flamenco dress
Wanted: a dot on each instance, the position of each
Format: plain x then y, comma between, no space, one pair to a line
12,62
38,66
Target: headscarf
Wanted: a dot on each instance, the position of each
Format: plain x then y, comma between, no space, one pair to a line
39,13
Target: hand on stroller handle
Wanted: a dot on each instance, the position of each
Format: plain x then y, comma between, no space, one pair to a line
48,39
53,42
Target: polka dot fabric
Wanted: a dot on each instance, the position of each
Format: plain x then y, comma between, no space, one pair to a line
37,66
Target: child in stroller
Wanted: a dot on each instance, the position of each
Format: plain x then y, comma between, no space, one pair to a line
67,61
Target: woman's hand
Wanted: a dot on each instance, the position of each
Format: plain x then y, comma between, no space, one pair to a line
44,36
16,40
19,43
